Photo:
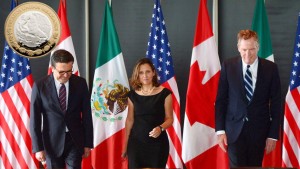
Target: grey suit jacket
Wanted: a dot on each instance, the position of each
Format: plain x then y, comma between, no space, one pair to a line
232,108
45,111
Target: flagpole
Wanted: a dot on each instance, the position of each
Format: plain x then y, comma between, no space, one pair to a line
215,21
87,58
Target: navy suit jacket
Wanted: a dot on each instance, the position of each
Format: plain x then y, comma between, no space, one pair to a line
231,107
45,111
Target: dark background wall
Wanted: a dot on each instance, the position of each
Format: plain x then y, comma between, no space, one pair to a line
132,20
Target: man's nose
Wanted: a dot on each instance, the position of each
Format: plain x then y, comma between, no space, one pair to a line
247,52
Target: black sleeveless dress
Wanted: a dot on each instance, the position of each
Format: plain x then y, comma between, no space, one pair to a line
144,151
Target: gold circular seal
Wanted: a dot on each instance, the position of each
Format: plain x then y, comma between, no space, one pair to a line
32,29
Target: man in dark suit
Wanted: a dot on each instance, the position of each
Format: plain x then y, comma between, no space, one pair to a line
60,121
248,104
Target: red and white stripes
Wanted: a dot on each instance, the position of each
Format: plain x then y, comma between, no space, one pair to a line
291,135
15,142
174,132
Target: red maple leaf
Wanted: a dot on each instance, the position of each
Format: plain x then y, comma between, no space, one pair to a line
201,97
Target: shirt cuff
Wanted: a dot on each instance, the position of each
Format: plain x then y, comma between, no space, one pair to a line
220,132
273,139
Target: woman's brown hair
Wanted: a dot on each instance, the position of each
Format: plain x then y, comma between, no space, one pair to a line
134,80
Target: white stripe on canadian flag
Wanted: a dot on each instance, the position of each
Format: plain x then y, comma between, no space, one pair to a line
203,53
197,143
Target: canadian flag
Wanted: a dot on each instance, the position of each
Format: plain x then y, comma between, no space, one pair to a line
65,41
200,147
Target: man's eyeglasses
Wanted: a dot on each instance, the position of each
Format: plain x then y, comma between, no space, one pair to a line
64,72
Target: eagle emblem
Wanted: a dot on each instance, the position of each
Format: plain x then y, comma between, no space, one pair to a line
109,100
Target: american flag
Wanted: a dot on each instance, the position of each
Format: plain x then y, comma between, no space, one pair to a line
15,88
291,135
160,54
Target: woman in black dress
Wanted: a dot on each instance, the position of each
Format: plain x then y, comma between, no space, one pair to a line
149,115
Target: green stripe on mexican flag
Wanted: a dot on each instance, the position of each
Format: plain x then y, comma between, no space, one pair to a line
109,97
260,25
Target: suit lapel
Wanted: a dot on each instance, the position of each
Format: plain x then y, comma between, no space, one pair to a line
259,77
242,83
53,92
71,93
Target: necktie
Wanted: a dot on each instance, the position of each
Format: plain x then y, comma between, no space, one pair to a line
63,97
248,84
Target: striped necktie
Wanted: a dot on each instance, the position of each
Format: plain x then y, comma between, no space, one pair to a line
248,84
63,97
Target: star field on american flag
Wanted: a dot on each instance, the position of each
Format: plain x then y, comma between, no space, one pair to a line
159,47
13,69
295,73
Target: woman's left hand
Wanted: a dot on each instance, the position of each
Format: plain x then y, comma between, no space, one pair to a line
155,132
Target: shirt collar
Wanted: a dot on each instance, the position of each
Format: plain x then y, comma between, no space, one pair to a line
58,84
252,66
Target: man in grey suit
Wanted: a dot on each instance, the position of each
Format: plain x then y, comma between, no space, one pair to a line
248,104
60,121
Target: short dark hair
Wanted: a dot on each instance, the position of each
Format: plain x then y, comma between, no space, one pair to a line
61,56
134,80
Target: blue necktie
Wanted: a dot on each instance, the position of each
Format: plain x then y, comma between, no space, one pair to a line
248,84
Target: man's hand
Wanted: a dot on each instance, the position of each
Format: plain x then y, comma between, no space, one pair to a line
270,145
41,156
222,141
86,152
124,154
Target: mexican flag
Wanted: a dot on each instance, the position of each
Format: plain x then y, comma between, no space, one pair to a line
109,98
260,24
